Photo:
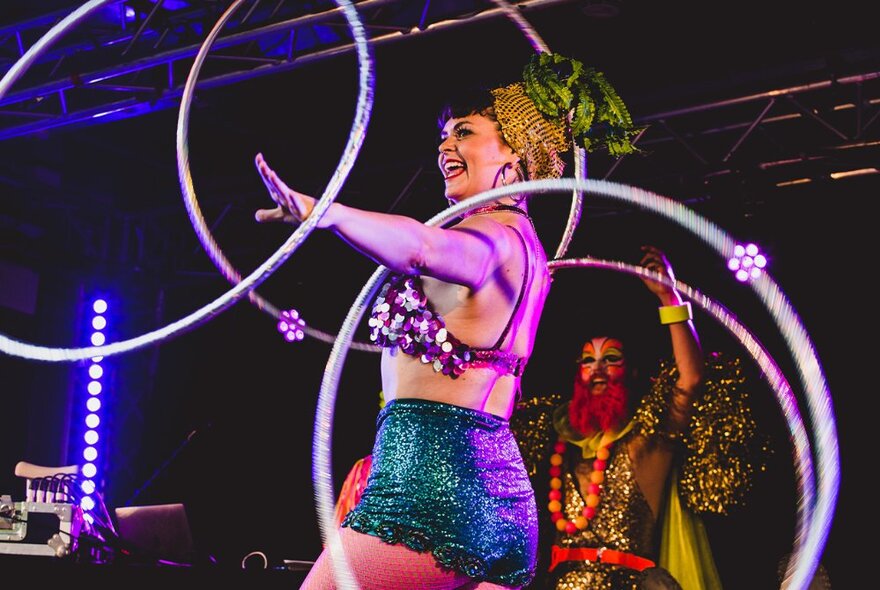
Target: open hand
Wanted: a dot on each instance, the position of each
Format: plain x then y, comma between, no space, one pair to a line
292,207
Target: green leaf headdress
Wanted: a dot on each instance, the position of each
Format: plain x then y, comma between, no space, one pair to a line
560,102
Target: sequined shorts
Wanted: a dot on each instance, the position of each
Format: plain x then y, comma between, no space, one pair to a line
451,481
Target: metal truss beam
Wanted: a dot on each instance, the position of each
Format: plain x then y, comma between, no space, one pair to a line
811,130
134,57
770,130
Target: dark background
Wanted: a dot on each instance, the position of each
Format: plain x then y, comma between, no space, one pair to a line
221,417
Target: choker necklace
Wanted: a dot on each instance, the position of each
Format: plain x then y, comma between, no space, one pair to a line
493,208
597,477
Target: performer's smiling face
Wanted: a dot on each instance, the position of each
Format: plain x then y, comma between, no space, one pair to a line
472,152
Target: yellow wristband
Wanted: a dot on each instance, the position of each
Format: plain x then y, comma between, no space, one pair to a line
675,314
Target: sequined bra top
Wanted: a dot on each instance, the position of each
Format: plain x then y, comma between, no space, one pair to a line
402,317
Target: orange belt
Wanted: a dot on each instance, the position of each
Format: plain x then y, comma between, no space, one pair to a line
600,555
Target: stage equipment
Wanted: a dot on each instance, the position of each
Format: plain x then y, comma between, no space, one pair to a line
39,528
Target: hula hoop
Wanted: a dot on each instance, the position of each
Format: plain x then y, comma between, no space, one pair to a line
261,273
815,503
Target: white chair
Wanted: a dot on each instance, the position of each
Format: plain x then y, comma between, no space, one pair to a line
47,484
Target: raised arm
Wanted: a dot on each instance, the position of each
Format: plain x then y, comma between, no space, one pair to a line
685,344
465,255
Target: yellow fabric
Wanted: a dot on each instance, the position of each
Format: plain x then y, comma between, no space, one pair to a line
590,444
684,545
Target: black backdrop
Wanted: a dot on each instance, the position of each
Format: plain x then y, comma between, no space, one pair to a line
221,417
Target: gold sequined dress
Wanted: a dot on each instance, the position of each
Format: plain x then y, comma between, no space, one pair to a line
719,455
623,522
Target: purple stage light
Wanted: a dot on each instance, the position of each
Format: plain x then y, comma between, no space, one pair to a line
292,326
172,5
746,262
97,322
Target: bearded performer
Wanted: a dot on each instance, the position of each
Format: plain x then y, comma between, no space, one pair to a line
628,473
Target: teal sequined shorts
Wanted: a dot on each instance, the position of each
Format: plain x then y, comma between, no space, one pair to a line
451,481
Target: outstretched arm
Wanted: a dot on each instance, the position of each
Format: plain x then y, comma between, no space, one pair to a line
466,255
685,344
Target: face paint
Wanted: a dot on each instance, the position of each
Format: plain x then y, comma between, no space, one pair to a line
599,399
602,364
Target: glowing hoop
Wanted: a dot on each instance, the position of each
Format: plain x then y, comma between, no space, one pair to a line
770,369
206,238
815,509
580,154
355,141
341,569
815,504
242,288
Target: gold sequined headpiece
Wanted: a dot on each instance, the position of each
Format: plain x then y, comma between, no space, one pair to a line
537,139
558,103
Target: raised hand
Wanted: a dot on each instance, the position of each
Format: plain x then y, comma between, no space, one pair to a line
293,207
654,259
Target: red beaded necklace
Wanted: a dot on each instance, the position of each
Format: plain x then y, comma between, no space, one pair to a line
597,478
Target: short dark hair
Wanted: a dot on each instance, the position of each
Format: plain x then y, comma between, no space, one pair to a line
468,102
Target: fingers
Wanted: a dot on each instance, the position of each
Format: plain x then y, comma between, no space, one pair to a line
270,180
272,177
266,175
653,258
262,167
655,261
266,215
279,192
293,207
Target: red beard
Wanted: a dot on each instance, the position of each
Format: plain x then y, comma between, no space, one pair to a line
590,413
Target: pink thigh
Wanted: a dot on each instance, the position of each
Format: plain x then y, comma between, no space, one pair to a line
376,565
